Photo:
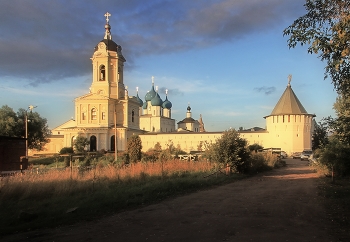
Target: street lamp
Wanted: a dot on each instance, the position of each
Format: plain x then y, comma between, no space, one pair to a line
30,107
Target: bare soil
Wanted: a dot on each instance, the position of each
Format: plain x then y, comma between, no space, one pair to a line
279,205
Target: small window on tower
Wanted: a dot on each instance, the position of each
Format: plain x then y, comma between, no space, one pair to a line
132,116
103,115
83,116
93,114
102,73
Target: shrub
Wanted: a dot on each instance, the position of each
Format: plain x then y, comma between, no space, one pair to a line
232,150
134,147
336,157
66,150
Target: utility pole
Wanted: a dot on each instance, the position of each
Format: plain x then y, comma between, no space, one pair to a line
30,107
115,134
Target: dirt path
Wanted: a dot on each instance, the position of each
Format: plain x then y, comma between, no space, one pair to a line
280,205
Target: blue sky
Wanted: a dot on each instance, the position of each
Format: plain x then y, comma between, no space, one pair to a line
227,58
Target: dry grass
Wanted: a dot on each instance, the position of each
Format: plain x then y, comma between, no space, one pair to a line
31,200
64,182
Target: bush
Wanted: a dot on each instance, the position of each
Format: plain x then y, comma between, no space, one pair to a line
66,150
336,156
134,148
230,149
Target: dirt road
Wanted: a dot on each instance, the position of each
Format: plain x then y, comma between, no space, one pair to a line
280,205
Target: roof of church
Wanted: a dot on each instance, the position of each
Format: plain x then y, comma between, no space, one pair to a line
188,120
288,104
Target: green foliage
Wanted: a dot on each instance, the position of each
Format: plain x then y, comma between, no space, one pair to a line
230,149
325,29
80,143
320,135
9,125
336,156
258,162
255,147
341,124
134,147
13,124
66,150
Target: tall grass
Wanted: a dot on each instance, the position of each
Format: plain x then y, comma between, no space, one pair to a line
46,197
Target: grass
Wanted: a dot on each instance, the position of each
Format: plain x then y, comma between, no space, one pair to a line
54,198
337,201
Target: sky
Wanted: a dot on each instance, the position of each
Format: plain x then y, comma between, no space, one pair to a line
227,59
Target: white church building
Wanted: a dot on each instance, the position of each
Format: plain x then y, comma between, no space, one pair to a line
107,115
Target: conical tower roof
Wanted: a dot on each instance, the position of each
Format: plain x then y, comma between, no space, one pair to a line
288,104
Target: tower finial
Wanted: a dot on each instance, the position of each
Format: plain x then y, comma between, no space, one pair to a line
152,80
108,34
289,79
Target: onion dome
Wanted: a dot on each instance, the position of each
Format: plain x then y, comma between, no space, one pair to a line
151,94
167,104
189,108
156,101
139,100
144,106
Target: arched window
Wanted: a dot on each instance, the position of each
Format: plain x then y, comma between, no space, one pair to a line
93,114
132,115
102,73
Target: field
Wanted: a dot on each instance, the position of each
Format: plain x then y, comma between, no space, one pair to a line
51,197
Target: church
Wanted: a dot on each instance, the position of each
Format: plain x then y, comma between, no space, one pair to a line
107,115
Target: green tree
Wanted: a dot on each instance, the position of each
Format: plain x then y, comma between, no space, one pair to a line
80,143
9,125
320,135
336,157
325,29
134,147
13,124
230,149
341,124
38,130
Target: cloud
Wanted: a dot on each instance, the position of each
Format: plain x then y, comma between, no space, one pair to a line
46,41
266,90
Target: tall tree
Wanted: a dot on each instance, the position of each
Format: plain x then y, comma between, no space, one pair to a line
12,124
9,125
320,135
325,28
134,147
341,124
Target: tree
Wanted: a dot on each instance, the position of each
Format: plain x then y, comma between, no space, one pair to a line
230,149
9,125
325,29
335,156
12,124
320,135
134,147
38,130
80,143
341,124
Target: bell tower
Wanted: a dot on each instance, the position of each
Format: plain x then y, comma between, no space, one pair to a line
108,66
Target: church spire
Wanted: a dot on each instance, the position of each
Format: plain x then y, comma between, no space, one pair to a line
108,34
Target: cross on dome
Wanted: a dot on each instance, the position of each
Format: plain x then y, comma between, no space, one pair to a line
107,15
